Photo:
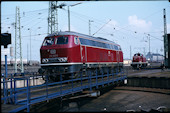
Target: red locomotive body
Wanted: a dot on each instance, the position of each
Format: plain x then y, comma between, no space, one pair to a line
70,52
139,61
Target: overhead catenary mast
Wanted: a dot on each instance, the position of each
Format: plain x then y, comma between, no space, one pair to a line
165,40
90,26
52,17
18,43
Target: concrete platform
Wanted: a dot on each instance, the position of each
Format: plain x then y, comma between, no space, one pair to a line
150,73
155,78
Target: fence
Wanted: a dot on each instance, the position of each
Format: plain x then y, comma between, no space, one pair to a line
32,93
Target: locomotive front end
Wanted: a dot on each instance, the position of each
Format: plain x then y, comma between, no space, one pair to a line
139,61
54,50
59,55
54,56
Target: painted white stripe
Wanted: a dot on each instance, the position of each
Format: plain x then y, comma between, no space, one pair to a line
80,63
139,62
104,63
60,64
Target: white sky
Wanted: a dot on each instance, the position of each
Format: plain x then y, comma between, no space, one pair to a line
130,23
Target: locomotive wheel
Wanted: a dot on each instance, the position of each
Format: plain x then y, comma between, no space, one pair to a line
100,71
54,78
76,75
116,70
137,66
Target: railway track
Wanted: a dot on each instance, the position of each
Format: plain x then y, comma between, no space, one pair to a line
144,89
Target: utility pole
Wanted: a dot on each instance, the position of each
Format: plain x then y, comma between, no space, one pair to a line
165,40
69,13
68,18
90,27
27,53
149,42
61,5
157,54
149,47
30,44
130,52
144,51
18,46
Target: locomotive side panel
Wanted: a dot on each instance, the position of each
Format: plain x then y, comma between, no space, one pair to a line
100,55
83,54
93,55
121,56
74,52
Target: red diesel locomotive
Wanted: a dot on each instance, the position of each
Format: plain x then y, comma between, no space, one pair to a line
71,52
139,61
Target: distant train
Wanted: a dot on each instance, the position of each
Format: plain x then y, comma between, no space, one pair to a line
71,52
155,57
139,61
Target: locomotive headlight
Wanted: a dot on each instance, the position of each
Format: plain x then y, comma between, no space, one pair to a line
63,59
45,60
60,59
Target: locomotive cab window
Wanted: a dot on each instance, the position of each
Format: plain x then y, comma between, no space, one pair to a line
115,47
84,41
119,48
61,40
76,40
48,41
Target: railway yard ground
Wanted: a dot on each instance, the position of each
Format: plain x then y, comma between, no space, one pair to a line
145,90
127,98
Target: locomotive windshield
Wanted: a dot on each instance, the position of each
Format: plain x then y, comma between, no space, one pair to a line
61,40
48,41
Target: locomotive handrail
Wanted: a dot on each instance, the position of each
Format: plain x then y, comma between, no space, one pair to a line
19,74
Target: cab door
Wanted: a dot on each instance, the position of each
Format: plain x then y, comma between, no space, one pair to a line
83,53
117,57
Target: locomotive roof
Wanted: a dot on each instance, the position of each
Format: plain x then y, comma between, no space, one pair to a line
78,34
